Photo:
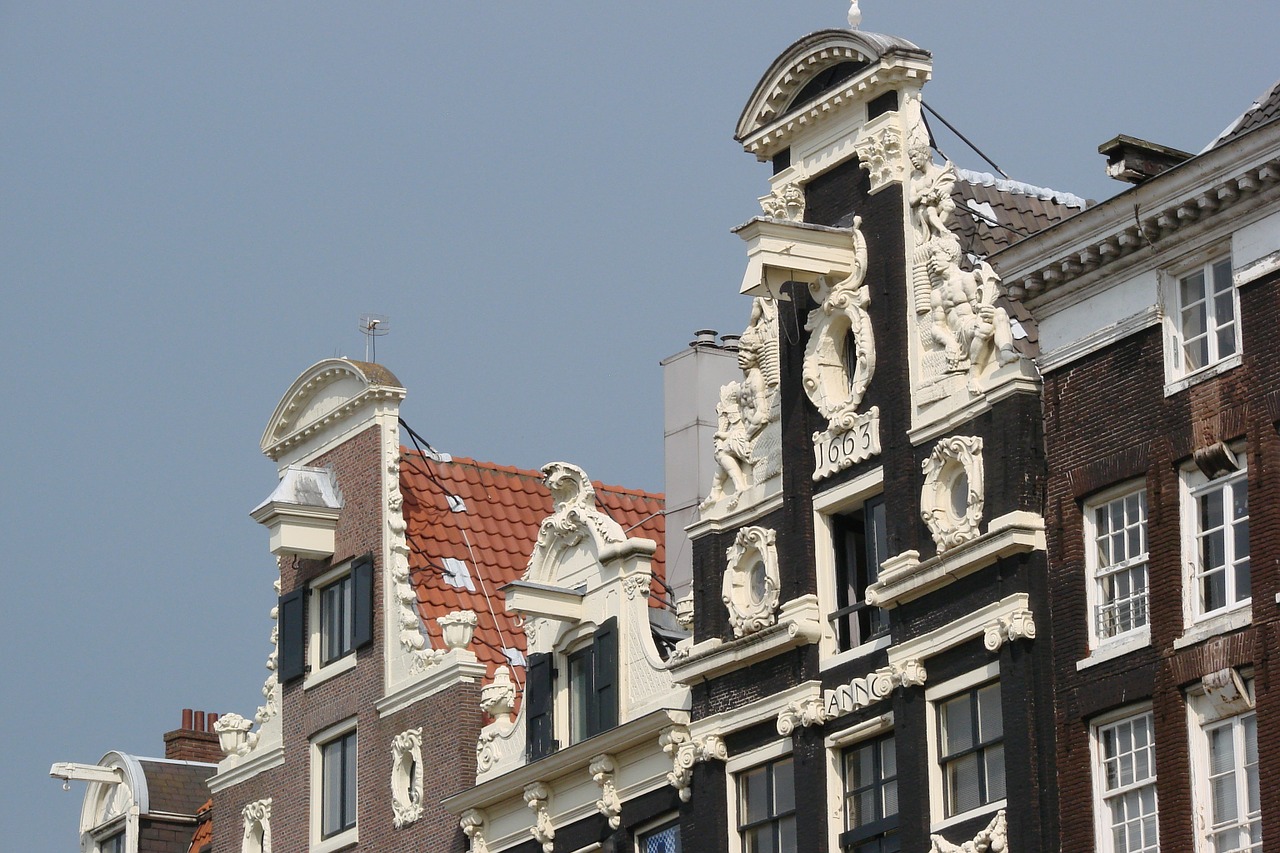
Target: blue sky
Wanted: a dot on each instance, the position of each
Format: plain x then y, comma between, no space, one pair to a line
200,200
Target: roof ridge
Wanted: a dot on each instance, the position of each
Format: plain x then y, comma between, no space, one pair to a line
1009,185
600,486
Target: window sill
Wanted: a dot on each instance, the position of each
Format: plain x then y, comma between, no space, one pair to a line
963,817
328,671
1212,626
860,651
1228,363
1116,647
343,839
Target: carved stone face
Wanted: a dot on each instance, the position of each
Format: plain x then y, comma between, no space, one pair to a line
919,156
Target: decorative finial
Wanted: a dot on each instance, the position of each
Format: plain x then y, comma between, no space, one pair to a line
855,14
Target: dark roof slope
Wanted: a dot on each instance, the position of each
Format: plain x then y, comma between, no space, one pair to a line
992,213
1261,111
176,787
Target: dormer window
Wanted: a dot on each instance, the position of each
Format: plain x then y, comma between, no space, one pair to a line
582,684
114,844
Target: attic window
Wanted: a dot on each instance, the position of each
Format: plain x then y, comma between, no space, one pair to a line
886,103
457,575
826,81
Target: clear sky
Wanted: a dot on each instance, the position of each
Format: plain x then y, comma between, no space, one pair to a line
199,200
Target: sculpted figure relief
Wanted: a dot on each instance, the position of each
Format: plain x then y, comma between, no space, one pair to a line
958,306
747,409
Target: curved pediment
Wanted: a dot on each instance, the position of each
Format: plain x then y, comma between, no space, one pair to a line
106,801
827,56
571,539
326,392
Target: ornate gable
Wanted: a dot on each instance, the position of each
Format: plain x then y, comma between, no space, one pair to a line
329,392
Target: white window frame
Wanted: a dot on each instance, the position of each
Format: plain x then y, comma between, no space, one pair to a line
319,844
1177,376
649,826
1103,828
1199,622
574,638
843,782
935,695
845,498
1134,637
1202,717
317,671
836,744
735,766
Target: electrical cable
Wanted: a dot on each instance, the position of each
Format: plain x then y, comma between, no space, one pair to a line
962,137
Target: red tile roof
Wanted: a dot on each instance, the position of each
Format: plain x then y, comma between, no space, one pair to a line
494,537
202,840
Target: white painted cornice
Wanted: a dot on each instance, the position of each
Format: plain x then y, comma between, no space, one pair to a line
457,666
799,623
1137,224
1010,610
261,760
768,123
780,251
284,431
572,758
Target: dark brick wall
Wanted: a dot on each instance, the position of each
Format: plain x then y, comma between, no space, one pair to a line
451,719
1107,421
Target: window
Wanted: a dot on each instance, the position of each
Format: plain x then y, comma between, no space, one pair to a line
1125,780
1217,529
113,844
971,749
871,797
766,808
321,625
1116,531
338,785
584,687
861,545
1205,327
1227,798
660,839
337,619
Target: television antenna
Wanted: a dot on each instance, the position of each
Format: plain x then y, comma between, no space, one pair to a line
373,326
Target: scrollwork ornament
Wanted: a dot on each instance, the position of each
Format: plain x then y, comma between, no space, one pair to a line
805,712
602,770
406,777
473,823
951,501
993,839
637,584
910,673
785,202
1018,625
257,826
536,796
685,752
750,585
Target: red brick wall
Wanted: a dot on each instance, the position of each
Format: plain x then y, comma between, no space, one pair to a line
451,719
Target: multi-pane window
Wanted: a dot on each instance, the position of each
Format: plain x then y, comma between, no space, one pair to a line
861,546
767,808
1220,534
1118,564
1206,319
1232,815
337,619
581,694
338,785
661,839
871,798
971,749
1127,782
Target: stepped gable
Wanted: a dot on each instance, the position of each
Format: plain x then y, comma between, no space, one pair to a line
492,534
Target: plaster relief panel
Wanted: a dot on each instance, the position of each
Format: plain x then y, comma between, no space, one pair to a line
748,438
994,838
406,777
881,152
751,582
786,202
257,827
839,361
952,498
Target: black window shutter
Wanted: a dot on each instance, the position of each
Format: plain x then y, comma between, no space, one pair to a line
539,689
292,635
605,675
362,575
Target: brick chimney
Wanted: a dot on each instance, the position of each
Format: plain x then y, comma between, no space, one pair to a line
195,741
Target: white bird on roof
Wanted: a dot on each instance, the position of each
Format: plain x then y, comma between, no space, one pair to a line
855,15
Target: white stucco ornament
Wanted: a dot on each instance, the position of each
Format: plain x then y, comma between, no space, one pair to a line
748,440
474,823
575,517
685,751
785,202
406,777
536,796
993,839
457,628
1018,625
880,151
602,770
498,697
962,329
952,498
751,583
257,827
233,733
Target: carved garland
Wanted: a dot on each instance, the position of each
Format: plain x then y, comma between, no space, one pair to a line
751,582
406,777
952,498
994,838
685,752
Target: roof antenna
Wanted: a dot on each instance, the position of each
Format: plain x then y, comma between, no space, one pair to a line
373,326
855,15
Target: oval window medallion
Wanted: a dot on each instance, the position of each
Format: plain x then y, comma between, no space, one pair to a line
751,583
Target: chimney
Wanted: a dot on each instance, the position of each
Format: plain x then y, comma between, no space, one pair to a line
195,740
1135,160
